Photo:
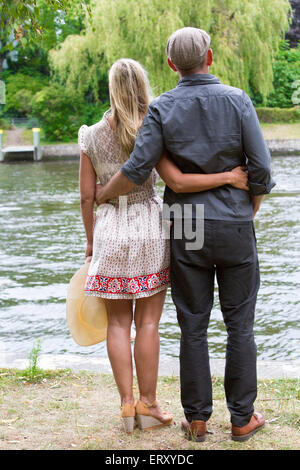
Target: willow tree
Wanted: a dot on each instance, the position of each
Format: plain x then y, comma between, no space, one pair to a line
244,37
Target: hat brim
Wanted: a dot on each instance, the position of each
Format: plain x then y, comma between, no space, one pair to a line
86,315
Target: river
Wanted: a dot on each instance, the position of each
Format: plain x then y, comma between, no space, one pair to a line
42,244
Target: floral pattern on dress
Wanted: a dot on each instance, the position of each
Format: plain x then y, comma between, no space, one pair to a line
131,255
123,285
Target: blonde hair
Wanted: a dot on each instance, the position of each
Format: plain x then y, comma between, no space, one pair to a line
130,95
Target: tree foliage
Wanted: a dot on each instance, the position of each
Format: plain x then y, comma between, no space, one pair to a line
20,90
245,37
22,17
58,110
62,112
286,69
30,29
286,73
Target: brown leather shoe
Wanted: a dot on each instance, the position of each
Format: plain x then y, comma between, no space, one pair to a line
194,431
242,434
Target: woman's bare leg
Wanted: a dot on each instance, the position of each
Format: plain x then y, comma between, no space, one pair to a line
147,315
120,314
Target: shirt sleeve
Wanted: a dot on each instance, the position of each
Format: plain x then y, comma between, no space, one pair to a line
257,153
148,148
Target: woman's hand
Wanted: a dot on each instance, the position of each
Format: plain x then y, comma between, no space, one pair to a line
181,182
88,252
239,178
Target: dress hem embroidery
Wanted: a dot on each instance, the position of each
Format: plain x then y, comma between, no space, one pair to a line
127,285
105,295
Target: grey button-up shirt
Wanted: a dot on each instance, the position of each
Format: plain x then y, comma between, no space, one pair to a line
206,127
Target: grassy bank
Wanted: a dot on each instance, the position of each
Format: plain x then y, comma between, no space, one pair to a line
281,131
66,410
28,139
270,131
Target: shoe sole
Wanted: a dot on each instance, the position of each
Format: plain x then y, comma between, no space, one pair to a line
147,423
246,436
190,437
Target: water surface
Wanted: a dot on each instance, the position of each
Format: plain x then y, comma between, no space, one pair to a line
42,244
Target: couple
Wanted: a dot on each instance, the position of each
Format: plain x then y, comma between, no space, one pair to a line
200,137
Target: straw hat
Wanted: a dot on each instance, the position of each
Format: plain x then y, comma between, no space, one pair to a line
86,315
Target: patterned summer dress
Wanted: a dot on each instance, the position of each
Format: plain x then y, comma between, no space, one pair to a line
131,246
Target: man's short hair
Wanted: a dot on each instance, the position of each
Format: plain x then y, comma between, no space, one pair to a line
187,48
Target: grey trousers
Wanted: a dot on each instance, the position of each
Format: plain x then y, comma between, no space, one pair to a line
229,253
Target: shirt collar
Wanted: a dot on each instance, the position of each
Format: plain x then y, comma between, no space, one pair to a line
198,79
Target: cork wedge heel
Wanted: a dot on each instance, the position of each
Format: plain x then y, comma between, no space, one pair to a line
128,417
146,422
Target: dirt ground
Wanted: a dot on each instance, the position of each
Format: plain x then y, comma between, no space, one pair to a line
66,410
14,137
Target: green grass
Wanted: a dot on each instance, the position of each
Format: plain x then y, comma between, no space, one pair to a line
18,378
281,131
67,410
28,139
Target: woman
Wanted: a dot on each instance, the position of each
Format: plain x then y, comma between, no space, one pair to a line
128,270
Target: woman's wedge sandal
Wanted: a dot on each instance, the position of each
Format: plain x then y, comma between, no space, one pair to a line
128,417
146,421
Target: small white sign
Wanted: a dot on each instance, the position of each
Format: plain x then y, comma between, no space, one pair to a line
296,93
2,92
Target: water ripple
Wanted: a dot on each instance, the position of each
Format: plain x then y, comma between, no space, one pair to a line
42,244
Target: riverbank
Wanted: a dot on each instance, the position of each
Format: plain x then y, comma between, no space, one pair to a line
277,147
68,410
281,131
281,139
167,365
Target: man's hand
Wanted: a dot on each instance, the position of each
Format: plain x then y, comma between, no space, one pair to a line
99,194
239,178
117,186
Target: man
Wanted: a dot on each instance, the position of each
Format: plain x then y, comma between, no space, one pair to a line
208,127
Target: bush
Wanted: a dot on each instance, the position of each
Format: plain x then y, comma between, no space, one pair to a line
4,124
278,114
61,113
286,71
57,111
93,113
20,90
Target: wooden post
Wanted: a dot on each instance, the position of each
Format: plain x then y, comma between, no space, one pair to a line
1,143
37,154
